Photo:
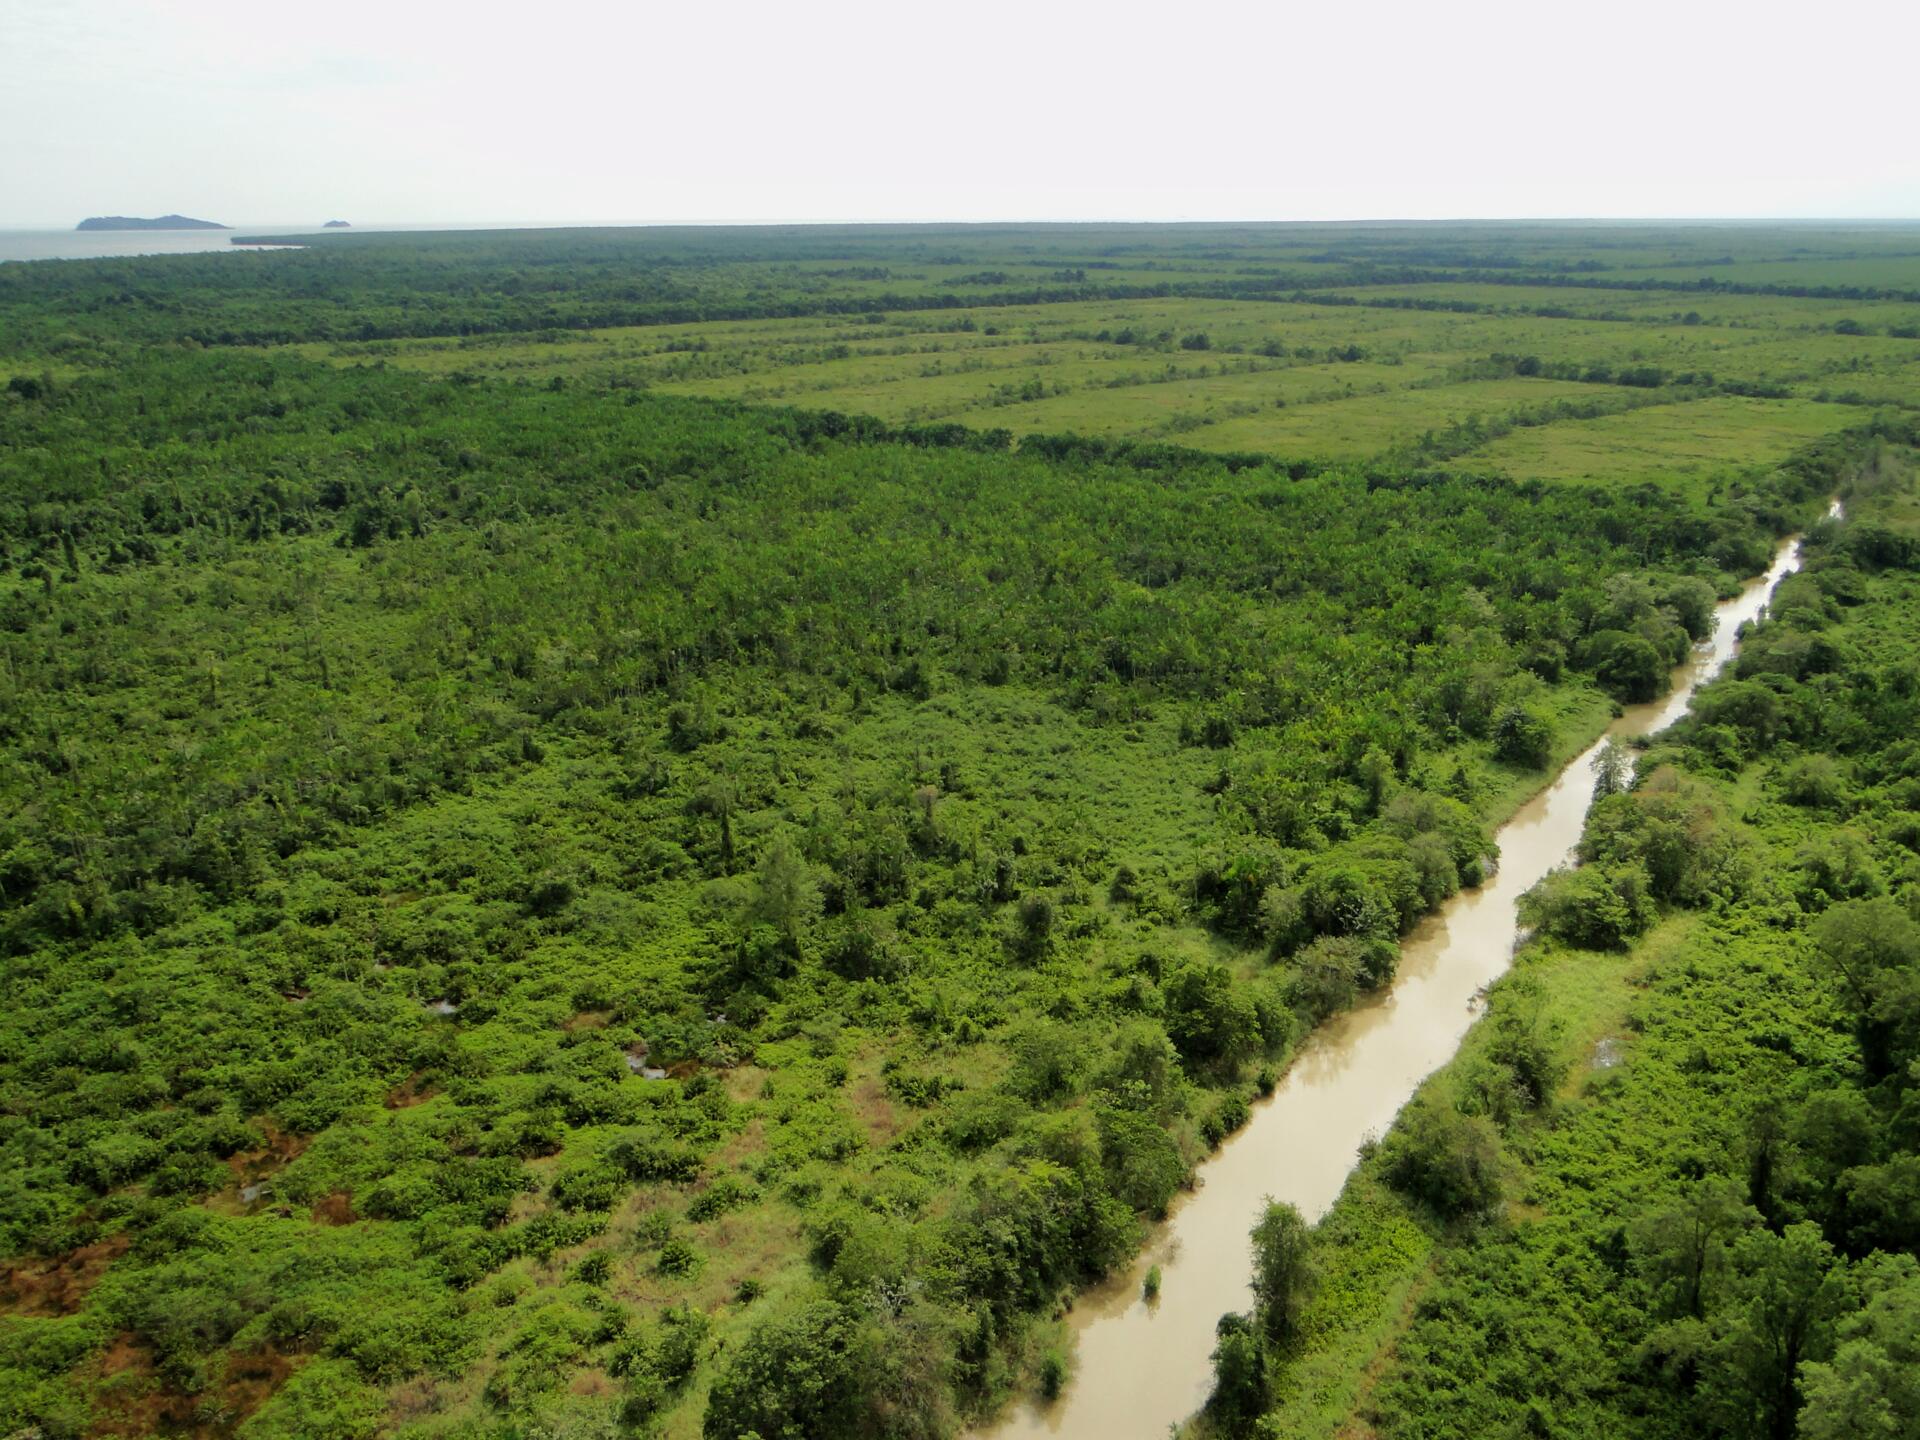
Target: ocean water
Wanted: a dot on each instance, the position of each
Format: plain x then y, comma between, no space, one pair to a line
24,244
93,244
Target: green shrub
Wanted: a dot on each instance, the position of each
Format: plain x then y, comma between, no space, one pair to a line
1284,1271
1143,1162
1813,781
728,1192
1210,1018
1522,736
323,1400
1597,907
1446,1160
803,1370
679,1258
1240,1382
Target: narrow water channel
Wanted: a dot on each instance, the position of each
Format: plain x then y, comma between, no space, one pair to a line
1142,1367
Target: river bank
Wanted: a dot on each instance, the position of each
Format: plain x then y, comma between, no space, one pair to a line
1699,1073
1346,1084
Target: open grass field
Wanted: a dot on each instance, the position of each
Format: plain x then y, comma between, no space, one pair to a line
1540,352
1665,441
1618,302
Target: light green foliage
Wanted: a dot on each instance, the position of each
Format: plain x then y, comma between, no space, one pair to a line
1670,828
1212,1021
1240,1377
1524,1043
1873,947
1782,1298
1522,736
509,892
324,1400
785,895
1814,781
819,1368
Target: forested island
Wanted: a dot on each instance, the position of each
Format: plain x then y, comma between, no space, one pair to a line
689,831
160,222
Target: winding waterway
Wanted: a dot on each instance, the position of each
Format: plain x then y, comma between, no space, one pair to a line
1144,1366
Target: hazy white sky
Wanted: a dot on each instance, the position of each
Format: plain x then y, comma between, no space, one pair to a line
393,111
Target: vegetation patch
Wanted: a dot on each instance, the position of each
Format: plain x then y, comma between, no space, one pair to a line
684,832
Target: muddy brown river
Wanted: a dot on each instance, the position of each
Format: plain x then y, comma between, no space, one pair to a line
1141,1367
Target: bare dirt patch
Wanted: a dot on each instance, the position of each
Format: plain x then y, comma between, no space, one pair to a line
253,1377
58,1286
593,1385
335,1209
876,1112
252,1170
745,1082
131,1398
409,1092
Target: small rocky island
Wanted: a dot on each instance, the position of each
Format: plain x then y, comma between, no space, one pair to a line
337,225
162,222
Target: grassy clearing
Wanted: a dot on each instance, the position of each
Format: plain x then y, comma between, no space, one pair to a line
1374,424
1287,375
1653,306
1900,272
1724,434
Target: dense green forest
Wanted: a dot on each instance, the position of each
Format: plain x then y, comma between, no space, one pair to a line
539,901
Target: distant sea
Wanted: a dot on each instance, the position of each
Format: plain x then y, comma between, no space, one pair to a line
92,244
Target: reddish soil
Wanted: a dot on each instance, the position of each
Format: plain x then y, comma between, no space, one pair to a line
336,1209
279,1149
257,1166
409,1092
593,1384
58,1286
132,1399
254,1376
414,1399
128,1398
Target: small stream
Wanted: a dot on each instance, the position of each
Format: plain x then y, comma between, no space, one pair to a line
1143,1366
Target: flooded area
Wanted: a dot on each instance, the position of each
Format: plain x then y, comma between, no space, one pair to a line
1142,1366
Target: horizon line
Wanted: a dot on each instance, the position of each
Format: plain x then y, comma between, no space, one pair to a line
300,226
